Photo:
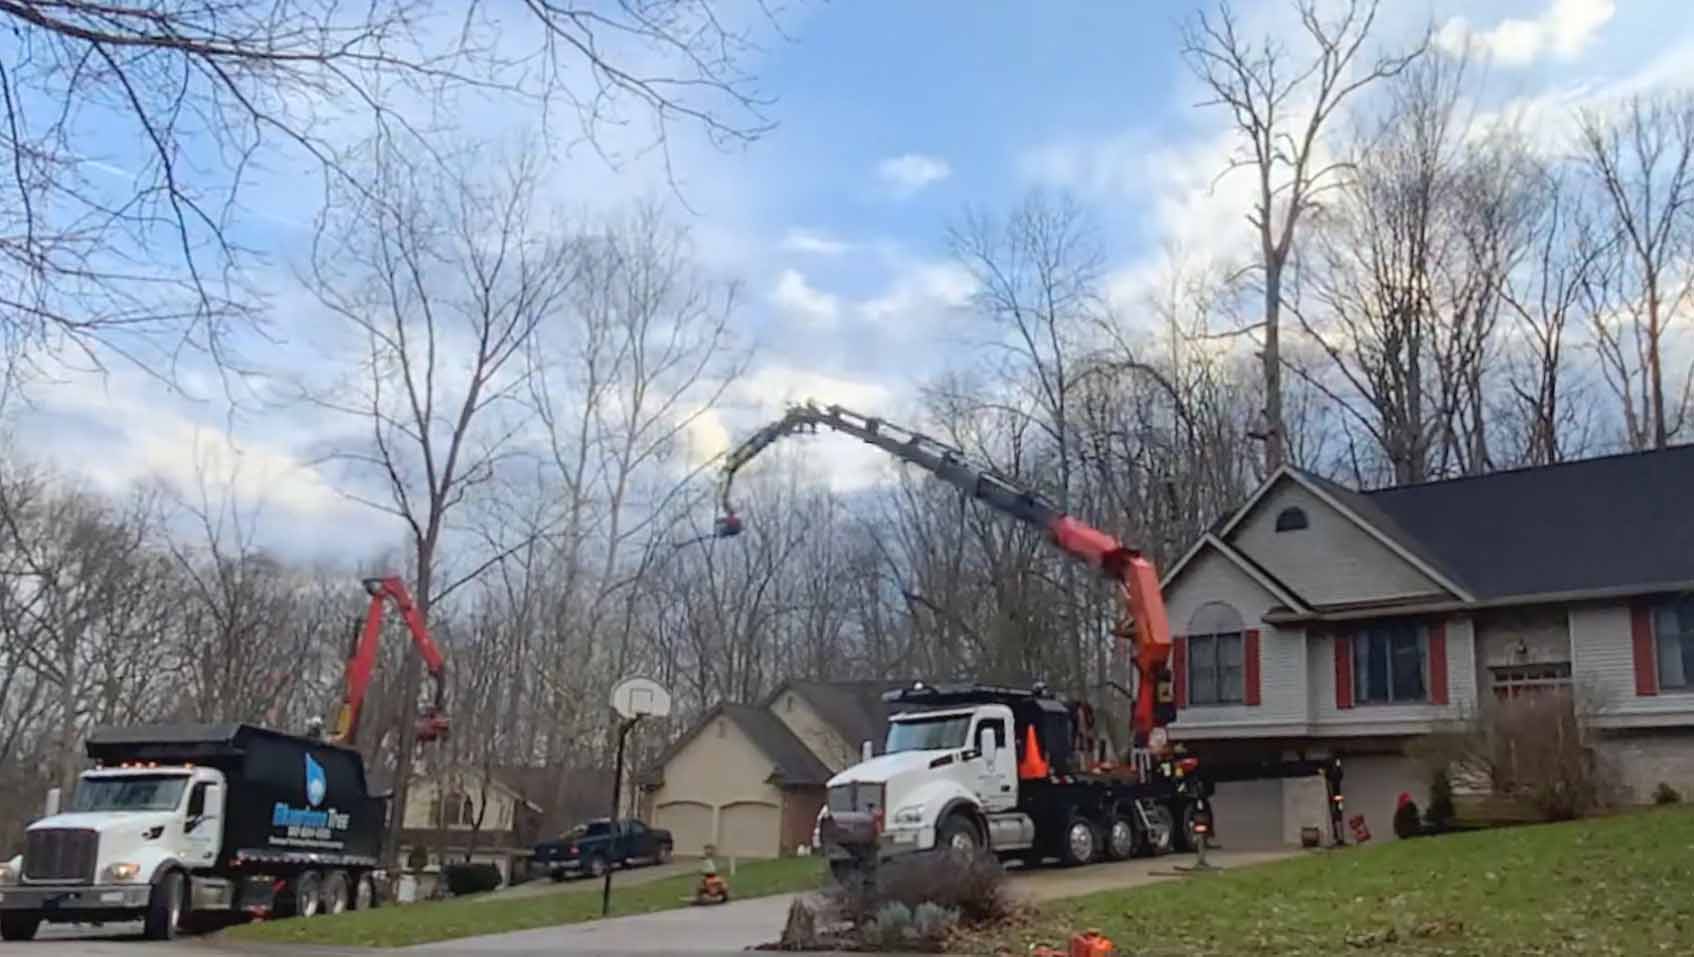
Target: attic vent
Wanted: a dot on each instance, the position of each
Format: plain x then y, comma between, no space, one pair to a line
1291,519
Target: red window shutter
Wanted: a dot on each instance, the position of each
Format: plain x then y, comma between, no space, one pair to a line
1343,671
1641,635
1250,667
1438,663
1179,669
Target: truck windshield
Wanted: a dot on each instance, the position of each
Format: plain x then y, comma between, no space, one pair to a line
149,792
928,734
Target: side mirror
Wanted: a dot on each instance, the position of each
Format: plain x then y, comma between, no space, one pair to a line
50,806
990,751
866,750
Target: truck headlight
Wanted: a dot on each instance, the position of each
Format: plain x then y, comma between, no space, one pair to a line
909,816
122,872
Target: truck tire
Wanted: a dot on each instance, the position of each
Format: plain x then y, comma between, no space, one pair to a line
1080,844
307,892
598,866
958,833
19,926
336,893
164,907
1120,838
364,892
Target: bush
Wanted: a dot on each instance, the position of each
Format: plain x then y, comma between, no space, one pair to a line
1440,814
887,931
972,885
1407,823
1665,794
932,923
465,878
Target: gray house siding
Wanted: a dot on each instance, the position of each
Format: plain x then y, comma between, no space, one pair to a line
1603,670
1332,560
1362,719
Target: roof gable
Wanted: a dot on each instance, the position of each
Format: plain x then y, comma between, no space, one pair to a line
854,709
792,762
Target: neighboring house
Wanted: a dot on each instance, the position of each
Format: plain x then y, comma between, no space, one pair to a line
1322,620
750,779
443,810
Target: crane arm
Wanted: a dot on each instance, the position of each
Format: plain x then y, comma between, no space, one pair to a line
1145,629
433,723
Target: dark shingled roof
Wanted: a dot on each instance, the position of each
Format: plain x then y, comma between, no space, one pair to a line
1615,522
855,709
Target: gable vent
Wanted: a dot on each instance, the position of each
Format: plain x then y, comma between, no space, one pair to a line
1291,519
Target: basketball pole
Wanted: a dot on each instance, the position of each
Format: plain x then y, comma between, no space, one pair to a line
617,792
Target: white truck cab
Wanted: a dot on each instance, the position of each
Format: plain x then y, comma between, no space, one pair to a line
123,827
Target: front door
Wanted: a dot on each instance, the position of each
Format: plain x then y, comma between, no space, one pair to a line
996,778
203,823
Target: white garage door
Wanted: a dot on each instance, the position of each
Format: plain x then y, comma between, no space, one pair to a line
1249,814
1372,785
749,829
690,824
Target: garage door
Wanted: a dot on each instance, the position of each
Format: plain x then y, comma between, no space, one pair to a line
690,824
749,830
1372,785
1249,814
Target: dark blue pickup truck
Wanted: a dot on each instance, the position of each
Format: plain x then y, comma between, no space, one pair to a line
592,847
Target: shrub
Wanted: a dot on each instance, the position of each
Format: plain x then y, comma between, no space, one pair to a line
932,923
1665,794
973,885
1440,814
466,878
1407,823
888,930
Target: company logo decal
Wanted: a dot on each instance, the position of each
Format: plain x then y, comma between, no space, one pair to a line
316,782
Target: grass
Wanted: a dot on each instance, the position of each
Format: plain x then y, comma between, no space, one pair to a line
422,923
1618,885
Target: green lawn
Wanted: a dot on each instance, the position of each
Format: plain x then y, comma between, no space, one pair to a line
1621,885
400,926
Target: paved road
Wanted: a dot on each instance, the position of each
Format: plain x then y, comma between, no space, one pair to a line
697,931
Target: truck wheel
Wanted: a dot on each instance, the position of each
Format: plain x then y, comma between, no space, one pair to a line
597,866
308,894
335,893
1081,843
164,907
19,926
1159,838
958,833
664,853
364,892
1120,839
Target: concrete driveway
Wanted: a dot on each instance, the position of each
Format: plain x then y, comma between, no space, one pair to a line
699,931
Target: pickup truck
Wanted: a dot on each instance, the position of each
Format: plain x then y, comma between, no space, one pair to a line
594,846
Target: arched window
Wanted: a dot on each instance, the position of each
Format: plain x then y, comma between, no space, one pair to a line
1215,655
1291,519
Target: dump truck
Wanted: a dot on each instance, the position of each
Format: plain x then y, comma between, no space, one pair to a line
186,826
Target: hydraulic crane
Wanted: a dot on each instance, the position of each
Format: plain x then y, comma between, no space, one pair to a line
432,722
1143,630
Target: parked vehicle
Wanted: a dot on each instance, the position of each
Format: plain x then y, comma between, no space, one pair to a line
593,847
179,825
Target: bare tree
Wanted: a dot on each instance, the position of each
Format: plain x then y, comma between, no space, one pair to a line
1280,109
447,278
1640,157
119,233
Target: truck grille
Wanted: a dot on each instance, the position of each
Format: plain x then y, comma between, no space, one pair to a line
855,796
61,854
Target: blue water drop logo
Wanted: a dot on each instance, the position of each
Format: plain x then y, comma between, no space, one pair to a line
316,783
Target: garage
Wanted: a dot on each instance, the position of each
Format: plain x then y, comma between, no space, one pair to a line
690,824
1249,814
750,829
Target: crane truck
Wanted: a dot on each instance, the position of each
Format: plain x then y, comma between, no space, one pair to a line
1018,772
186,825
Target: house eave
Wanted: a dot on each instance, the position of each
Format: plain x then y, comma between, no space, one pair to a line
1425,606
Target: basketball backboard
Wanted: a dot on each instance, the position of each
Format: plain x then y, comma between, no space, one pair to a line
641,696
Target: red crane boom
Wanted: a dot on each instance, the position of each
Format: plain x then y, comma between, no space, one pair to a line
432,723
1144,629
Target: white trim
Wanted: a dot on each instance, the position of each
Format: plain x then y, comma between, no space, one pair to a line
1385,539
1237,729
1679,718
1241,562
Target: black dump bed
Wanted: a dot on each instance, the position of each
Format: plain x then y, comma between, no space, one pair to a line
290,798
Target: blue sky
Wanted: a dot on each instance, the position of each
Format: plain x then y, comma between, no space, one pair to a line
893,115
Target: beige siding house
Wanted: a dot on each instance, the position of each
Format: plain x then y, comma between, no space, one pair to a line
749,779
1318,620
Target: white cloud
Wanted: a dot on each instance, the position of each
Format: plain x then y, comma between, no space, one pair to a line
927,291
1564,30
911,172
796,298
807,241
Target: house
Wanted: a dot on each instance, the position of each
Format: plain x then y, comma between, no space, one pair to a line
749,778
459,814
1319,620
